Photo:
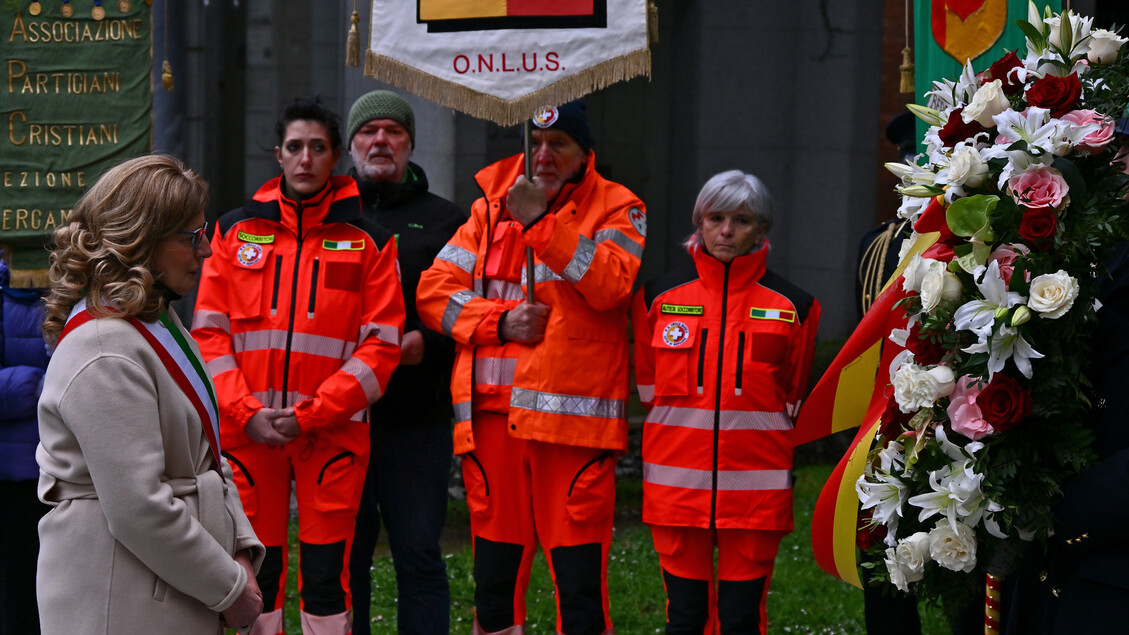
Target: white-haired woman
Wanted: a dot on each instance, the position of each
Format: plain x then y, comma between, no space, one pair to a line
146,532
723,349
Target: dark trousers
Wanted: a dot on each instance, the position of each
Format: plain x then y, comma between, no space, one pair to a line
19,549
409,469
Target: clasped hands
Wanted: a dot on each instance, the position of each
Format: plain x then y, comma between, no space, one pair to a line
273,426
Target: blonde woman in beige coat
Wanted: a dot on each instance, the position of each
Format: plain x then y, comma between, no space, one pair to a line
146,534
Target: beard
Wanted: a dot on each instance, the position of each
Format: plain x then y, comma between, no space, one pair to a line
369,170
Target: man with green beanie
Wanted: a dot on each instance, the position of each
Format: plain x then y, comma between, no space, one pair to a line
410,428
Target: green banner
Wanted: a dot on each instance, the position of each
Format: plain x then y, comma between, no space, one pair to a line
77,99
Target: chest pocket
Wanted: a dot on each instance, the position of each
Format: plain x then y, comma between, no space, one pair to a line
336,283
249,289
676,341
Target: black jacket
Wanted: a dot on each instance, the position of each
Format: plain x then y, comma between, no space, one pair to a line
422,223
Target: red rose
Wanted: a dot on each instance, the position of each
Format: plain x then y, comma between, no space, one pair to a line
867,537
1038,226
1000,70
893,420
1057,94
1004,403
924,351
955,130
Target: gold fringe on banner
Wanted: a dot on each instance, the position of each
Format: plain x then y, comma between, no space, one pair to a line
29,279
652,22
501,112
353,40
907,70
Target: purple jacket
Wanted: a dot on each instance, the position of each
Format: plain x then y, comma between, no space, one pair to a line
23,360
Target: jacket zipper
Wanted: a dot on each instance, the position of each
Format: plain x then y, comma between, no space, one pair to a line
293,308
717,394
313,290
277,278
740,360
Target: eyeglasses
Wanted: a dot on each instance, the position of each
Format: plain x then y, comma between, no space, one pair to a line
197,235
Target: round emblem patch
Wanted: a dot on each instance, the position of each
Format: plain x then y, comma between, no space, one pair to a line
248,254
638,220
675,333
545,117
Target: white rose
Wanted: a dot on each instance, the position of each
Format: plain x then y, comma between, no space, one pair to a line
1104,46
989,101
916,387
939,284
912,553
954,550
896,570
965,168
1052,294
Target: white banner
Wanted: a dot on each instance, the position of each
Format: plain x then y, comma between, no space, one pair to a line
502,59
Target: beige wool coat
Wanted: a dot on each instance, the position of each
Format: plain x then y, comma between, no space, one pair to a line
143,528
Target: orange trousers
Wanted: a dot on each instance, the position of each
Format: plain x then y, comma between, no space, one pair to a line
327,481
731,600
521,493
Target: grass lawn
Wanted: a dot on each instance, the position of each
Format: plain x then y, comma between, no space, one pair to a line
802,598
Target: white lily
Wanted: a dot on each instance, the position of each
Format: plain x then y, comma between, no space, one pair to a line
1007,343
978,316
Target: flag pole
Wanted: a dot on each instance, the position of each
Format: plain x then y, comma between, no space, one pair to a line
527,148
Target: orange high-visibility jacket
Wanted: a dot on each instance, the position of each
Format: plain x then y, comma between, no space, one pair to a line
570,388
721,350
299,306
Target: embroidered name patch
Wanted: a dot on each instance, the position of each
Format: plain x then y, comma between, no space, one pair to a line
675,333
248,254
255,238
681,309
783,315
343,245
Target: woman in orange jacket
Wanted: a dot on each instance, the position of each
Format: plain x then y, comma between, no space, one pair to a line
723,349
299,316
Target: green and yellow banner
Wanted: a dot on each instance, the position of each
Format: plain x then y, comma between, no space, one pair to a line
947,33
77,98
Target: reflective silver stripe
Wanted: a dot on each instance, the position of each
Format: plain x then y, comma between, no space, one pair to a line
204,319
364,376
383,332
541,273
647,393
478,286
461,258
273,399
499,290
581,260
222,364
494,371
310,344
727,480
730,419
463,411
258,340
621,239
454,308
567,404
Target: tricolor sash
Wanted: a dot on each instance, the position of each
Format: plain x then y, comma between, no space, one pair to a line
171,345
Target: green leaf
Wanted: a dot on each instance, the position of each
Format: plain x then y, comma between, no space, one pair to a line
1032,34
968,215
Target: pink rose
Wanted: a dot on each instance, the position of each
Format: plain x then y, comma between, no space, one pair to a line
1005,255
1039,187
964,414
1097,139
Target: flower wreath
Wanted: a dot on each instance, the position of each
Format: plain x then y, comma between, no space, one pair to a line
1021,192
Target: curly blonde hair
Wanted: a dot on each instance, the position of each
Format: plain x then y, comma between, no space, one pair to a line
105,252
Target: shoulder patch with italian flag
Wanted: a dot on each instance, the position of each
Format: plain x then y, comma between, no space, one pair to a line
783,315
343,245
682,309
255,238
